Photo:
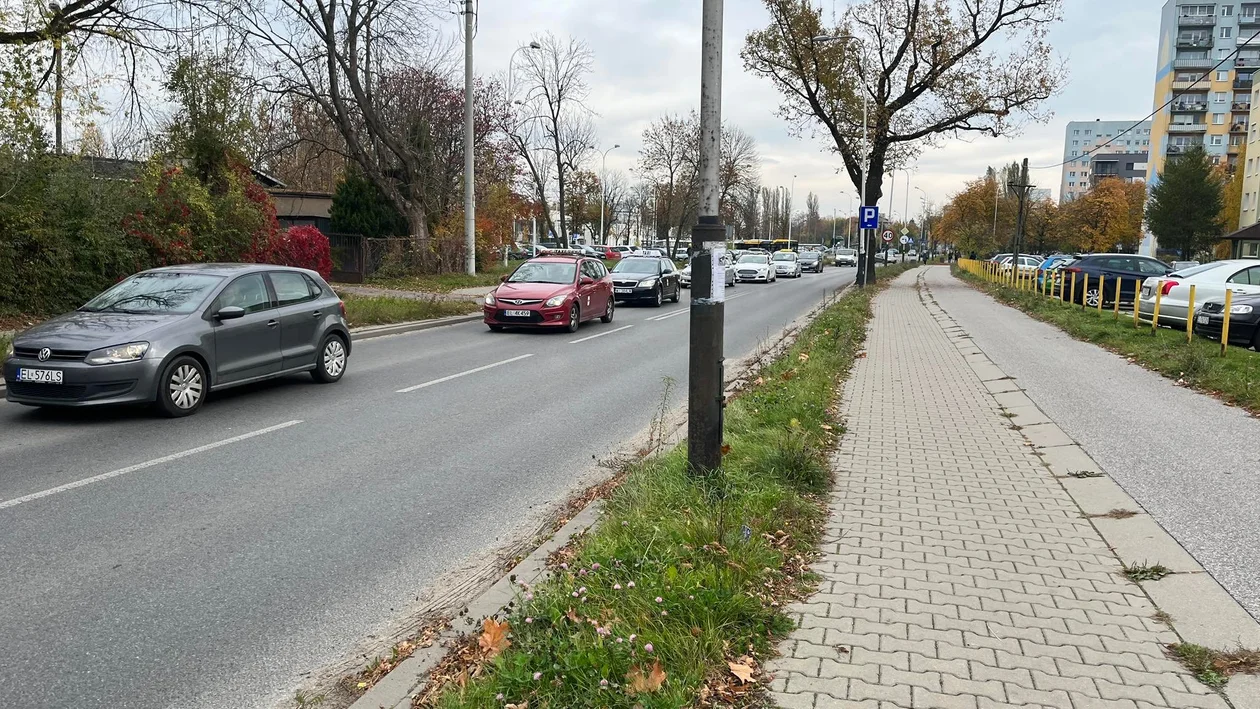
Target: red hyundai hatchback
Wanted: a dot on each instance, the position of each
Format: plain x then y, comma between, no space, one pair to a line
551,291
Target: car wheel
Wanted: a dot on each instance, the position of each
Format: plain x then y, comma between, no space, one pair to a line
330,364
182,388
677,295
495,328
658,297
575,318
608,315
1091,298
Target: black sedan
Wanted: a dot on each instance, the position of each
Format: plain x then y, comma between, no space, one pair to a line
647,279
171,335
811,261
1244,320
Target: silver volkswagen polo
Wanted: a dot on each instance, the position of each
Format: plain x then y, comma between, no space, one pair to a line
171,335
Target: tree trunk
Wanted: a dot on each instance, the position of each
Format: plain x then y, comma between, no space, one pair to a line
418,221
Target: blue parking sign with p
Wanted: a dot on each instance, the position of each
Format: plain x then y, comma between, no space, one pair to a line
869,218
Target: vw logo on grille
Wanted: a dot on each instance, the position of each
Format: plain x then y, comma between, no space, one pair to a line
44,354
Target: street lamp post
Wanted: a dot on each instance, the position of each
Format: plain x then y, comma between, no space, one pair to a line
603,189
848,221
791,198
470,199
863,267
923,226
511,75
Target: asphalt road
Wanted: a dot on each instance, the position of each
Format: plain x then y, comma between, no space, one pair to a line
211,561
1187,458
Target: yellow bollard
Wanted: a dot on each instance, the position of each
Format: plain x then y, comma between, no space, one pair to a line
1190,317
1159,296
1137,285
1102,291
1073,300
1115,305
1084,292
1229,303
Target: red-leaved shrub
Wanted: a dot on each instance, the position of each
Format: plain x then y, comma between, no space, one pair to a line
300,246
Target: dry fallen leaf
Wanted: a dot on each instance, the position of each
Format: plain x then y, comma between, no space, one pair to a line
573,616
726,448
759,381
825,427
803,357
493,638
742,671
639,683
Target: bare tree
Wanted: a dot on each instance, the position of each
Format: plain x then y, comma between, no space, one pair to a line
740,166
616,200
554,79
355,62
923,65
668,159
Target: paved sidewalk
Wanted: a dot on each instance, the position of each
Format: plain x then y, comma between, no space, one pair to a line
957,571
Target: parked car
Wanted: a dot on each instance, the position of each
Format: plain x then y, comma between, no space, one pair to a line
846,257
608,253
998,258
551,291
586,250
171,335
811,261
654,253
787,264
753,267
646,278
1242,276
684,276
623,251
1123,269
1051,264
1027,264
1244,320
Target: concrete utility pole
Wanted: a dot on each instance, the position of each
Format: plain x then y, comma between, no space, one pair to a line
708,239
1021,189
470,197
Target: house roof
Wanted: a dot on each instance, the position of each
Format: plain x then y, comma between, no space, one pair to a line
1247,233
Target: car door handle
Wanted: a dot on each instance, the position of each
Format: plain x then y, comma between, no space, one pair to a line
315,314
273,323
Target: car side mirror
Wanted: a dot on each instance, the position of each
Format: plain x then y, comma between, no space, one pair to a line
503,278
230,312
587,280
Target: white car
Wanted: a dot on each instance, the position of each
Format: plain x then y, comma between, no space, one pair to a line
846,257
754,267
1027,264
685,274
786,264
1211,280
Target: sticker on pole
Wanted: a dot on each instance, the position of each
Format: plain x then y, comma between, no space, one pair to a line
717,291
888,237
868,218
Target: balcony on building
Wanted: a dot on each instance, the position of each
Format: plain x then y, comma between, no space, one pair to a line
1197,21
1233,149
1242,82
1194,41
1240,106
1190,104
1188,81
1194,63
1187,127
1249,16
1239,127
1179,149
1247,62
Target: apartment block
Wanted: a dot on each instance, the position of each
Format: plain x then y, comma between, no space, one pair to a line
1125,144
1207,55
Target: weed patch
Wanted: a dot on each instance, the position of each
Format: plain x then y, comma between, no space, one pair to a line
1115,514
1084,474
1146,572
1215,667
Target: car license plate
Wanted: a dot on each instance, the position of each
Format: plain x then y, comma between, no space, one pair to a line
41,376
516,313
622,290
1203,320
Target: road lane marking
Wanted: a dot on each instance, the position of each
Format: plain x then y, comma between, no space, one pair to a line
584,339
462,374
141,466
676,313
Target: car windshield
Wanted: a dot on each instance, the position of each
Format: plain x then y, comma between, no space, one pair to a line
847,252
162,292
810,256
544,272
637,265
1192,270
753,258
785,257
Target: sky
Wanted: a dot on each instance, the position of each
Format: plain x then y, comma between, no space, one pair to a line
647,64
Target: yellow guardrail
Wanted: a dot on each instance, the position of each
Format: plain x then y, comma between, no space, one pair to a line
1054,285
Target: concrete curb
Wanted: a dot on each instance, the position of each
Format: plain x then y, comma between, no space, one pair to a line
1202,611
373,331
395,690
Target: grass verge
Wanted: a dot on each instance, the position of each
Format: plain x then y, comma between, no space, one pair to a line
1234,378
4,343
384,310
1215,667
676,595
445,282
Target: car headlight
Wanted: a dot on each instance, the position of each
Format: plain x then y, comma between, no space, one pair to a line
122,353
490,298
1240,310
647,282
556,300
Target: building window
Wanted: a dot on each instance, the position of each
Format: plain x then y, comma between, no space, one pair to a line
1227,32
1087,132
1220,97
1071,184
1075,153
1076,132
1076,142
1217,140
1072,174
1218,119
1222,75
1227,10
